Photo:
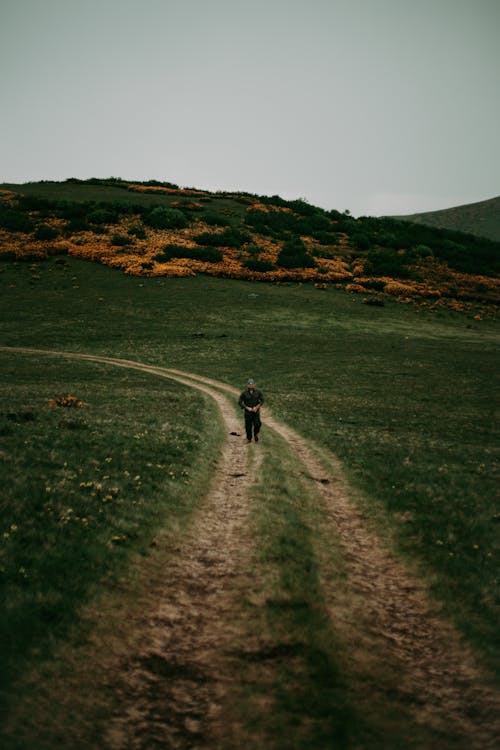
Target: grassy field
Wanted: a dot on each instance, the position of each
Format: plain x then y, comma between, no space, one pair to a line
403,396
86,488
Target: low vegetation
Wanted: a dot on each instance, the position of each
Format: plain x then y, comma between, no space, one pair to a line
96,461
414,262
88,481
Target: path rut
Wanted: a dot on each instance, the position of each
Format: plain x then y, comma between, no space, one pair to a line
386,610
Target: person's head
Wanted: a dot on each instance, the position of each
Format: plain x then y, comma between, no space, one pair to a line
250,384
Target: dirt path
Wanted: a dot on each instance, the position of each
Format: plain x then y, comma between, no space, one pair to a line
387,612
172,690
384,613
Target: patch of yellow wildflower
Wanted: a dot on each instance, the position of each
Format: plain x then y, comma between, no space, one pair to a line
267,209
191,206
358,288
358,269
68,401
161,189
436,284
399,288
8,196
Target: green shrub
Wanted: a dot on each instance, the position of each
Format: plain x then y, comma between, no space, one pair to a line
387,262
45,232
253,250
326,238
206,254
312,225
101,216
215,220
303,208
121,240
157,183
165,218
228,238
423,251
138,231
35,203
361,241
76,224
70,210
275,223
254,264
327,252
294,254
14,220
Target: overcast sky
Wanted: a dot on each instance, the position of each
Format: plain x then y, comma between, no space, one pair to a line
376,106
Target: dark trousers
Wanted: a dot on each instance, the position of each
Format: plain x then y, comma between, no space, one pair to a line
252,420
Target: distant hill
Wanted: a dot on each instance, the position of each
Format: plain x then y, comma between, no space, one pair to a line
160,229
481,219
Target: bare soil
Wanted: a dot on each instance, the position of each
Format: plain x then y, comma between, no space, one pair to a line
175,682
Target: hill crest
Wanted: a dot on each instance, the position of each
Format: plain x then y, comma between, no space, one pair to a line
160,229
481,218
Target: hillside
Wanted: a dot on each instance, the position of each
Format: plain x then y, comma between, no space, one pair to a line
481,219
160,229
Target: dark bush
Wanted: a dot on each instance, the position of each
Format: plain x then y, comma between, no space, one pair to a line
76,224
101,216
294,254
361,241
215,220
14,220
275,223
156,183
162,217
71,209
228,238
206,254
35,203
254,264
253,250
303,208
138,231
123,208
326,238
423,251
387,262
311,225
121,240
45,232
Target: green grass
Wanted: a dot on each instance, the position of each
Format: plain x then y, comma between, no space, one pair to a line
294,671
403,396
232,210
297,671
84,490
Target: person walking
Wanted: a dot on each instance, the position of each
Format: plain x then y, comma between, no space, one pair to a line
251,399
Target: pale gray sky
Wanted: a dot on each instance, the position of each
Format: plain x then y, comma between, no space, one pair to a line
376,106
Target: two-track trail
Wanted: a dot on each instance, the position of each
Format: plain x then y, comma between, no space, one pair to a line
173,689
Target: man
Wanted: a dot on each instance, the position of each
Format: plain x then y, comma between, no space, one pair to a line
251,399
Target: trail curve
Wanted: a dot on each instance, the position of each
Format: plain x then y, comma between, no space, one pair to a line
440,678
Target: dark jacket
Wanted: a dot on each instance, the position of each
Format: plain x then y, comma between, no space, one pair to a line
251,398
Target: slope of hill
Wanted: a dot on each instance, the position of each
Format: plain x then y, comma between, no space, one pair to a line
481,219
160,229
